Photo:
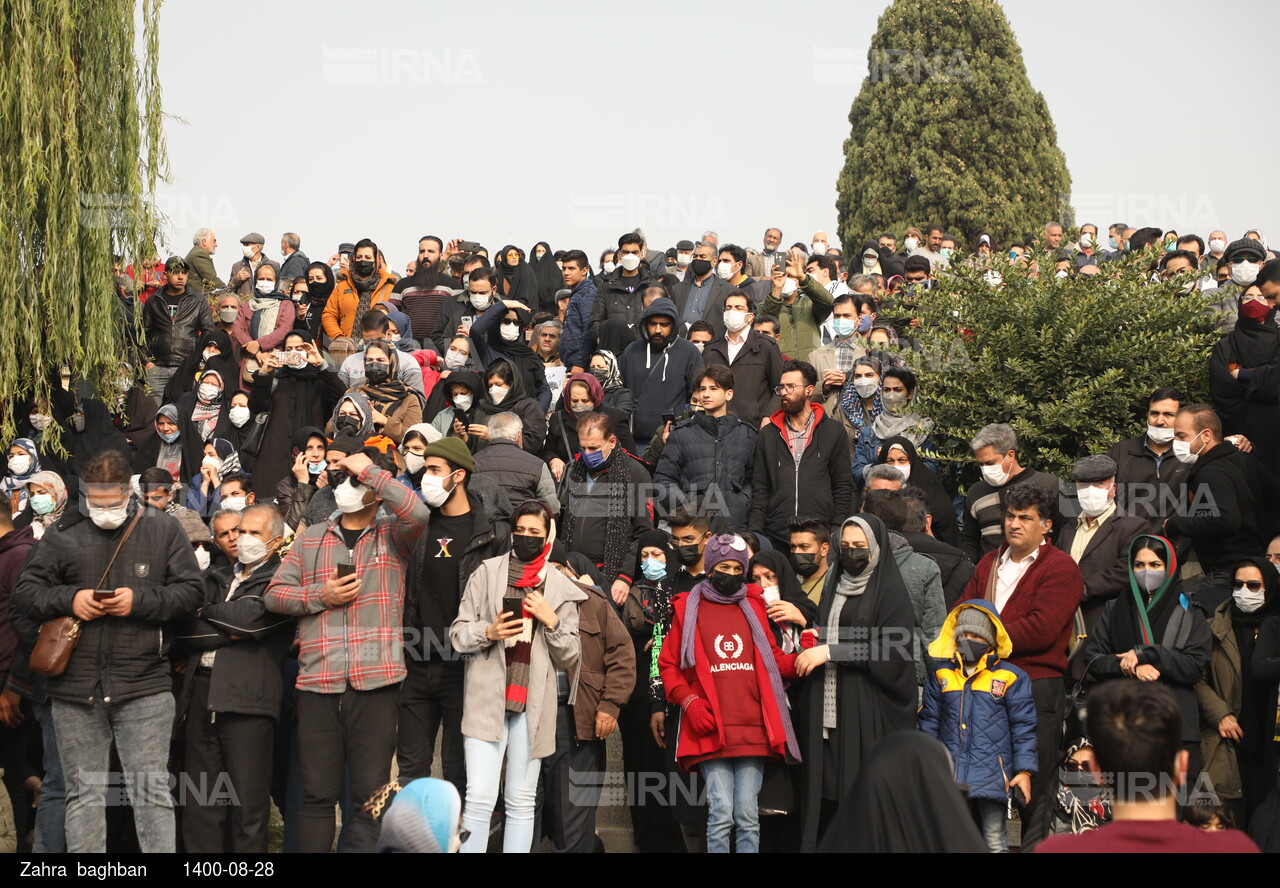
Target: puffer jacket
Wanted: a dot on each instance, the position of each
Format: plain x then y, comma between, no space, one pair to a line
988,719
170,340
712,456
126,656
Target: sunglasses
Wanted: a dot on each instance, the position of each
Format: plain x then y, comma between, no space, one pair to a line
1251,585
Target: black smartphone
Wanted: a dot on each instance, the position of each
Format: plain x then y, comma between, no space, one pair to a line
345,570
103,594
668,417
469,246
780,260
514,605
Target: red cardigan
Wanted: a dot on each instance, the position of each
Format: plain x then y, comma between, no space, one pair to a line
1040,614
681,684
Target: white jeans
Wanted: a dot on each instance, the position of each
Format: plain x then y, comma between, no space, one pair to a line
484,768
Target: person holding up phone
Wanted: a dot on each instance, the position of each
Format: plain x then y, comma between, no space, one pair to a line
518,620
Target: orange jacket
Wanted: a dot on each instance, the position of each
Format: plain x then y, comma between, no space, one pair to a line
340,310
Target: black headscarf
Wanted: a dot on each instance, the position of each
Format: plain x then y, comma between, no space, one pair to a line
472,381
905,800
1271,605
924,478
518,283
1255,343
524,362
193,366
1126,624
547,274
318,295
788,583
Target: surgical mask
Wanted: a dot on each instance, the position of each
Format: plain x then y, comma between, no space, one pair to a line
772,594
497,393
1158,435
235,503
609,267
725,583
864,323
855,561
123,384
1217,245
995,475
42,503
376,372
433,491
228,315
393,337
905,470
870,261
1086,241
1111,244
866,387
993,278
510,332
699,346
817,247
315,468
203,555
479,301
687,555
109,519
454,359
843,326
1182,450
1093,501
971,650
247,251
208,392
1244,273
19,465
1150,580
805,563
413,462
724,270
683,259
911,243
207,354
1248,601
593,459
250,549
1060,274
362,267
40,421
946,252
169,437
653,569
266,286
735,320
894,401
629,261
348,498
238,416
789,286
463,402
212,462
580,408
527,548
700,267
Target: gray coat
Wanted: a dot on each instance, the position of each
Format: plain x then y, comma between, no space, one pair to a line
923,579
485,682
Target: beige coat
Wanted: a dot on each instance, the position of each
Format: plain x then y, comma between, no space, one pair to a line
485,680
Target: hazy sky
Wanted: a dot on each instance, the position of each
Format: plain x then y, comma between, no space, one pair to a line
556,121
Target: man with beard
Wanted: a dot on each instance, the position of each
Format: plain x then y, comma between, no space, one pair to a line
799,449
659,369
423,292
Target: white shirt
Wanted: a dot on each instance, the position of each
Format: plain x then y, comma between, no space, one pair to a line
735,345
1009,573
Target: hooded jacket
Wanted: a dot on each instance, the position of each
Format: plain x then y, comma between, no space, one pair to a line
662,379
986,719
709,456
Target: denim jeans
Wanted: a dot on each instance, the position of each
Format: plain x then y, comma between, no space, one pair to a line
51,838
484,770
991,820
157,379
141,729
733,784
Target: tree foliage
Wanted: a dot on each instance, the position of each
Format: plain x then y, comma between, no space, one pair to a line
81,122
947,128
1068,362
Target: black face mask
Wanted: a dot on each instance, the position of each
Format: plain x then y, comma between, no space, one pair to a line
527,548
376,373
362,267
336,477
348,424
854,561
700,267
319,290
601,375
971,651
725,583
805,563
687,555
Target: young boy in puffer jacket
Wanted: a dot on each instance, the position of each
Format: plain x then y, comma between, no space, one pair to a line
981,707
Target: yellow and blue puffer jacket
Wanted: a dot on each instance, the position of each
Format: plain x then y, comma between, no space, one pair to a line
988,719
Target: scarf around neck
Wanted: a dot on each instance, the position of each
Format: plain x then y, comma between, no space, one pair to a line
846,588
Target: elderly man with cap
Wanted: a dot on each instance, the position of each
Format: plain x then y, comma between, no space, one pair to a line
243,271
172,320
464,528
684,255
1097,535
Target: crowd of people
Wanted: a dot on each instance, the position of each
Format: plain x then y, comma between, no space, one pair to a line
336,524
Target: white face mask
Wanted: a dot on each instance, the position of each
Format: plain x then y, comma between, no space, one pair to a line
866,387
906,472
789,286
1060,274
463,402
1158,435
1182,450
699,346
208,353
911,243
413,462
735,320
497,393
1217,245
1249,601
433,491
208,392
238,415
724,270
1093,500
19,465
995,475
629,261
683,259
609,267
228,315
1244,273
247,250
870,261
349,499
453,359
510,332
202,558
817,247
40,421
266,286
123,384
109,519
771,594
235,503
250,549
1086,241
211,461
479,303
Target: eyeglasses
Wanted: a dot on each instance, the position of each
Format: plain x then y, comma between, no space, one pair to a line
1251,585
783,389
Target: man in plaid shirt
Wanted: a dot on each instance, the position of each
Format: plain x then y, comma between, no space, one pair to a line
351,659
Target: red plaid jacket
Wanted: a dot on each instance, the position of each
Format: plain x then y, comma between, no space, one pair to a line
357,644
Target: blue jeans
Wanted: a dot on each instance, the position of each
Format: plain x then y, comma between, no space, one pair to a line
991,820
484,768
141,729
733,784
52,810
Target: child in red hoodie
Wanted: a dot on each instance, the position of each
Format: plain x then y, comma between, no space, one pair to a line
721,666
